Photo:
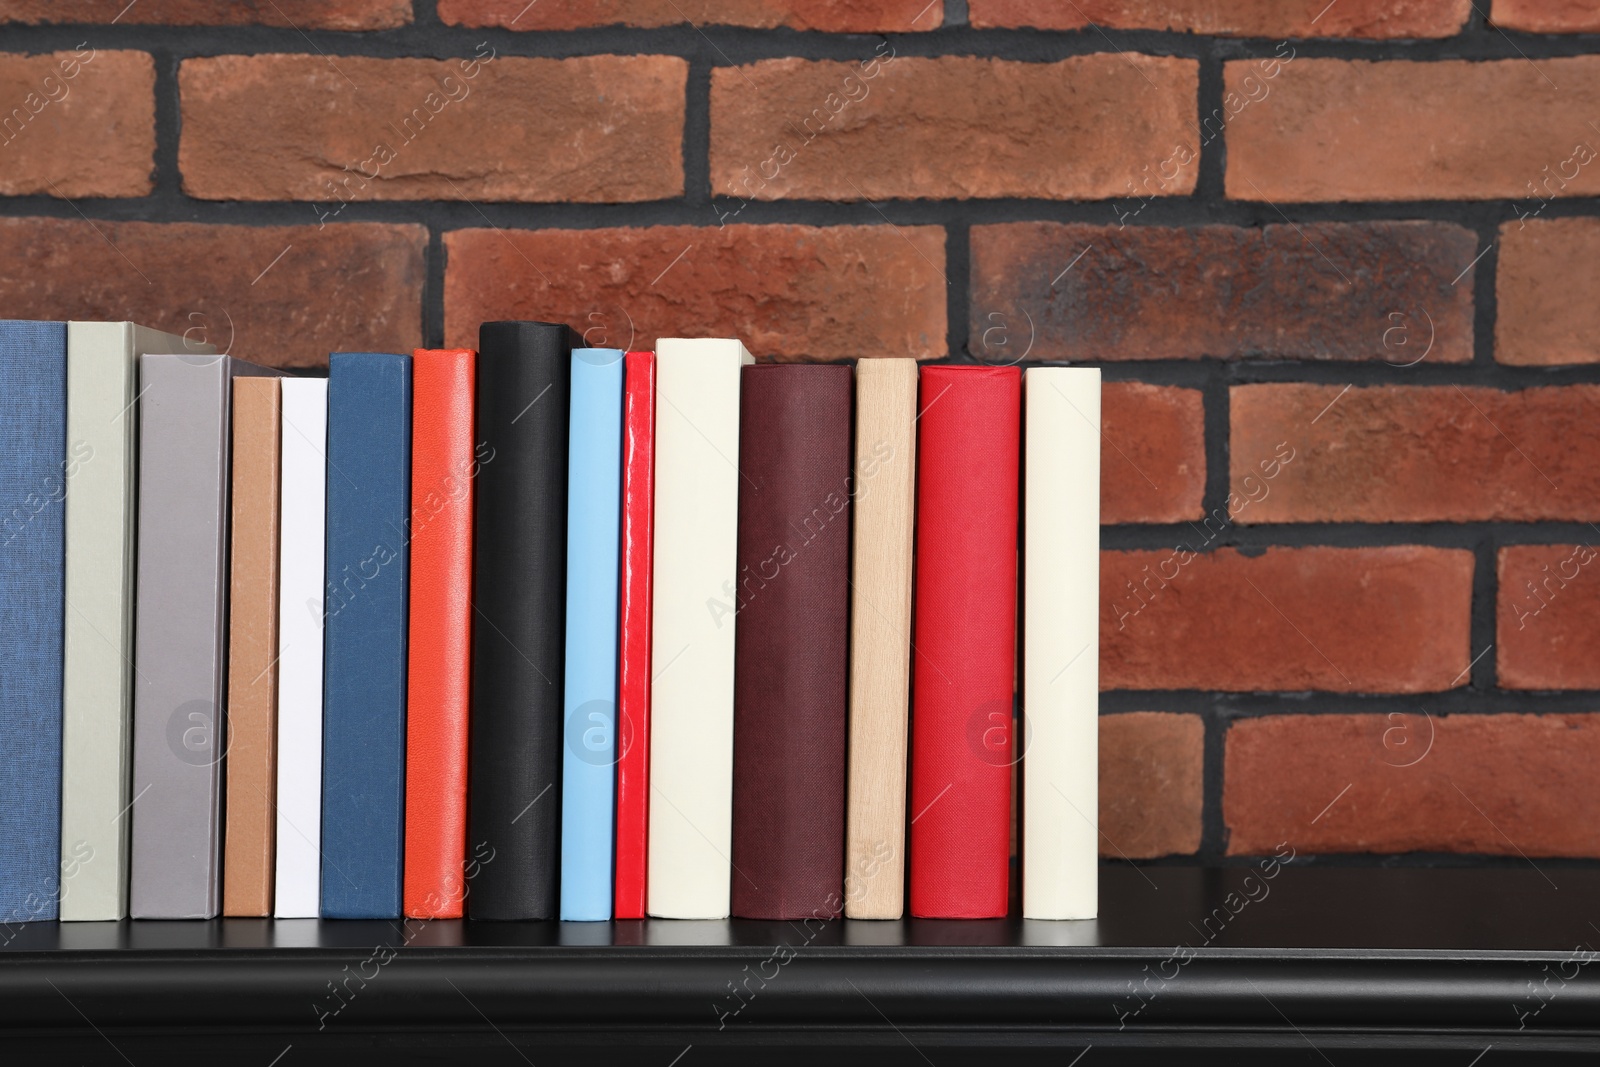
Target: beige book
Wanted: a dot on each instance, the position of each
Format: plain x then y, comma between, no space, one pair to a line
695,566
880,636
97,683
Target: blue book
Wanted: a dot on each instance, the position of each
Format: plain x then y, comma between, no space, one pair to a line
34,468
594,531
364,619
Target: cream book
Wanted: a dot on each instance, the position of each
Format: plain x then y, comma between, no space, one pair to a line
97,683
301,549
884,498
1061,643
692,626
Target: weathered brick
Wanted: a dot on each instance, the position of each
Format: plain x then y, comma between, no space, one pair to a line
1319,291
281,295
78,123
1419,453
1152,453
336,129
1234,18
1547,285
1335,129
1381,620
301,14
1547,619
953,127
1152,769
1414,782
1547,16
793,292
831,16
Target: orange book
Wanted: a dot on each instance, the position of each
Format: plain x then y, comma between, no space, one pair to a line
444,466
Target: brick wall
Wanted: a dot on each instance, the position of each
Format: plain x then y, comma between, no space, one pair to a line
1340,262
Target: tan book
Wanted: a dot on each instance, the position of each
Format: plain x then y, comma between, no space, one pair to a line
248,852
884,497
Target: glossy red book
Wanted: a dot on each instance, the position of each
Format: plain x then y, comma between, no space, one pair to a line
439,666
968,452
633,646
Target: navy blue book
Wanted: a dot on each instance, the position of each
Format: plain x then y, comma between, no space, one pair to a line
364,619
34,468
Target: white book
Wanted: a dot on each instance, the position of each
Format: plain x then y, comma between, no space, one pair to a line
1061,643
97,681
694,569
301,554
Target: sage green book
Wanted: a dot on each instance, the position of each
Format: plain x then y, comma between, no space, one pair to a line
97,690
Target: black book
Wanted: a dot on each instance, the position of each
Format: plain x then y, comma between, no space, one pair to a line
518,625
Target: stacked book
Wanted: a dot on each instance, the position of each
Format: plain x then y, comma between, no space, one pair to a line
542,631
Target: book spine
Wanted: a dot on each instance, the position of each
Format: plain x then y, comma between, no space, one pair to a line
97,693
524,377
180,637
633,674
34,471
443,471
301,558
880,636
791,681
1061,644
364,700
594,503
965,665
692,626
247,858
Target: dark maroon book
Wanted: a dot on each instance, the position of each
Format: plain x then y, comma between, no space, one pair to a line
792,639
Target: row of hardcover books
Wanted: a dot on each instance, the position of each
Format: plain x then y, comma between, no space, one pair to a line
541,631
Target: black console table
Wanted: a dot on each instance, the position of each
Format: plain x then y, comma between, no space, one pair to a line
1297,964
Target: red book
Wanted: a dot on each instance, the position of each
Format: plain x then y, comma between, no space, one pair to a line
443,468
633,645
968,453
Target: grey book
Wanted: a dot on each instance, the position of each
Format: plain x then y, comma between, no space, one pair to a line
180,634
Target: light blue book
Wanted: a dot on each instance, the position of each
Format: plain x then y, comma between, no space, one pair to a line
594,517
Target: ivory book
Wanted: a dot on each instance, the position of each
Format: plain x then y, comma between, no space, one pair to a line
693,619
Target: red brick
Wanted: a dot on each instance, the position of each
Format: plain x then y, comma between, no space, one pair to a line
1234,18
793,292
1418,453
953,127
1547,285
1152,453
333,129
1414,782
832,16
1334,129
79,123
300,14
1152,769
1319,291
1379,620
281,295
1547,16
1547,619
